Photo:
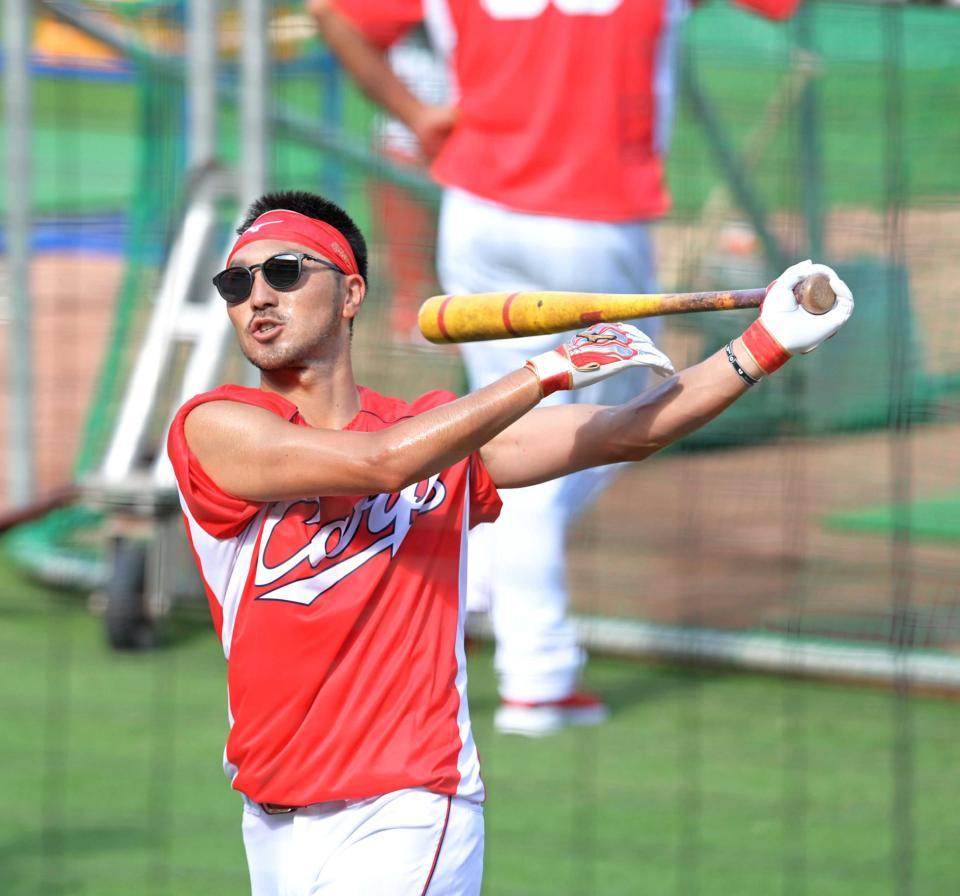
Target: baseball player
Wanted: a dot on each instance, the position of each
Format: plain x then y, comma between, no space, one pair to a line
329,526
551,156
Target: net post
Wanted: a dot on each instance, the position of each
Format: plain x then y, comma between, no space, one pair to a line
16,40
254,97
201,43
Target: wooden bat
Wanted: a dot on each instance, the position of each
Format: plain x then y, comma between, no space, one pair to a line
502,315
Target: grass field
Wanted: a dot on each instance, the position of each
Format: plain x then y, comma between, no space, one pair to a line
702,782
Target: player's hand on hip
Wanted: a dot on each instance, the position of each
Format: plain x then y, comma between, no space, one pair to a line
785,328
432,125
596,353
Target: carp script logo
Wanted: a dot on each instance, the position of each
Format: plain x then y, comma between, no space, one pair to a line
338,547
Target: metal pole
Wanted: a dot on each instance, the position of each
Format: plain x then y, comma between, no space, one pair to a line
16,39
811,180
201,82
254,92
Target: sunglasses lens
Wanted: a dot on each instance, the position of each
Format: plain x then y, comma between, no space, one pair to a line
234,284
282,271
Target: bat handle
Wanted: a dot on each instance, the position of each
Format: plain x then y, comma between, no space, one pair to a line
815,294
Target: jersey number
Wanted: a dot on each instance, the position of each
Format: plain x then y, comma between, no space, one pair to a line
530,9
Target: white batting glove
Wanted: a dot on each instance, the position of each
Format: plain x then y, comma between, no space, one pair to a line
596,353
785,328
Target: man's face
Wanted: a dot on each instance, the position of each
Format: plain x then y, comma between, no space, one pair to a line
297,327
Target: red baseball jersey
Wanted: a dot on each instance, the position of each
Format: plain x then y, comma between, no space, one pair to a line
565,105
342,622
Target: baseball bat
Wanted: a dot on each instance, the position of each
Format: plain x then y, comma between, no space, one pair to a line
502,315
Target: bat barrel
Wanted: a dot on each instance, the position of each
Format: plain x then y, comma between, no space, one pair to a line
499,315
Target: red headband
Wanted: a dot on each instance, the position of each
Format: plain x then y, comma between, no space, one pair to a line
282,224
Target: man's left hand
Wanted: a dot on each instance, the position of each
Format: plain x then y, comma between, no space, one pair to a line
596,353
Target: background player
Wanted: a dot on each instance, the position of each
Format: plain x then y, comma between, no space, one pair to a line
553,171
328,523
403,224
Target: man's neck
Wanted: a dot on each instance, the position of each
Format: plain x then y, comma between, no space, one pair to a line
326,399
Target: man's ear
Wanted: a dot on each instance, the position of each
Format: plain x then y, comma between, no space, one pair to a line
355,290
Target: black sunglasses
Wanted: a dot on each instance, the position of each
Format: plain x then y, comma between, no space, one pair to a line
280,271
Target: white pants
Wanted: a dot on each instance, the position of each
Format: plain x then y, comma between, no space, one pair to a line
407,843
516,565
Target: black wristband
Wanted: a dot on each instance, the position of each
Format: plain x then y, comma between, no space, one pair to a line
732,358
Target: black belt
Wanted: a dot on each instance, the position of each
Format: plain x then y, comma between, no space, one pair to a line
277,809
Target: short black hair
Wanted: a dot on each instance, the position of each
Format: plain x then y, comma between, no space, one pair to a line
313,206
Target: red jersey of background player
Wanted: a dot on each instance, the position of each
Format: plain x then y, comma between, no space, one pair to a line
342,619
535,134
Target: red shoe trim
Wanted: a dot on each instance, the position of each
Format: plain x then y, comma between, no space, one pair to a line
576,700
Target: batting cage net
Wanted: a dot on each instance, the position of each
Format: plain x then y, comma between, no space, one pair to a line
811,529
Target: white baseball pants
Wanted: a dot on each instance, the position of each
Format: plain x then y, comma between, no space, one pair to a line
407,843
516,565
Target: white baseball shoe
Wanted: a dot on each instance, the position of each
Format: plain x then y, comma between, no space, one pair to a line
540,719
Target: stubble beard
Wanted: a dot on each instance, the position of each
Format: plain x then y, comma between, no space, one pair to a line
317,347
302,353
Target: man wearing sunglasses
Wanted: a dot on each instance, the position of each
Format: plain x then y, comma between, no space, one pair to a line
329,526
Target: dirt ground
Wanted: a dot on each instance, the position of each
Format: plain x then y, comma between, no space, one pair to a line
737,538
733,538
73,296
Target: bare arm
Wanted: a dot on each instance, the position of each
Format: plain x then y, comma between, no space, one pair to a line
369,67
551,442
256,455
555,441
253,454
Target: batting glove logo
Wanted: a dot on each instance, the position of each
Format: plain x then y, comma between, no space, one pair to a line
601,344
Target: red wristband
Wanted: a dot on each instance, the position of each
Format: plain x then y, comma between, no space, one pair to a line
767,352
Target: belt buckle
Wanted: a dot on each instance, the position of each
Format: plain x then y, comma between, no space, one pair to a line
276,809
